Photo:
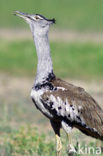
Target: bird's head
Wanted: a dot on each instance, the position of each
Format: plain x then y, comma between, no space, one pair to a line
39,24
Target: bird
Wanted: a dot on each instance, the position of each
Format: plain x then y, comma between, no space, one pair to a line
66,105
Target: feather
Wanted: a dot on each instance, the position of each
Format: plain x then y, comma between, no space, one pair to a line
77,106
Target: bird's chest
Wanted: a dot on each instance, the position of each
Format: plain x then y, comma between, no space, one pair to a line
37,99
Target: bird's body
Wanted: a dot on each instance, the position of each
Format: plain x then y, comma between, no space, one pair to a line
70,105
66,105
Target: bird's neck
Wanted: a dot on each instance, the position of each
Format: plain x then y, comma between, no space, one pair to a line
44,67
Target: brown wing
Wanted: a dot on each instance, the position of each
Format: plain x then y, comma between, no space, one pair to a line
88,109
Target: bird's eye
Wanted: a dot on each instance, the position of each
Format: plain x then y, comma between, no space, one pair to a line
36,17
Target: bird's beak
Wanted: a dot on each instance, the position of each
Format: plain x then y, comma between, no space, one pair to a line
22,15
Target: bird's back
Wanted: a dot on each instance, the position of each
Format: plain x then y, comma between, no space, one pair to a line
73,104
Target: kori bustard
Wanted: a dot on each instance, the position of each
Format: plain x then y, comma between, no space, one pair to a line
66,105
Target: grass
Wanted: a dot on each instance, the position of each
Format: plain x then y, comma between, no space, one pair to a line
26,141
29,142
79,15
74,60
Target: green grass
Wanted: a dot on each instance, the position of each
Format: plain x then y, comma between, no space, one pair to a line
71,14
27,141
74,60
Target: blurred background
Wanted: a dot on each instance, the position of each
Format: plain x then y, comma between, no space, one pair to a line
76,42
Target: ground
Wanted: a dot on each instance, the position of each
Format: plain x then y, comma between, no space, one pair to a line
55,35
